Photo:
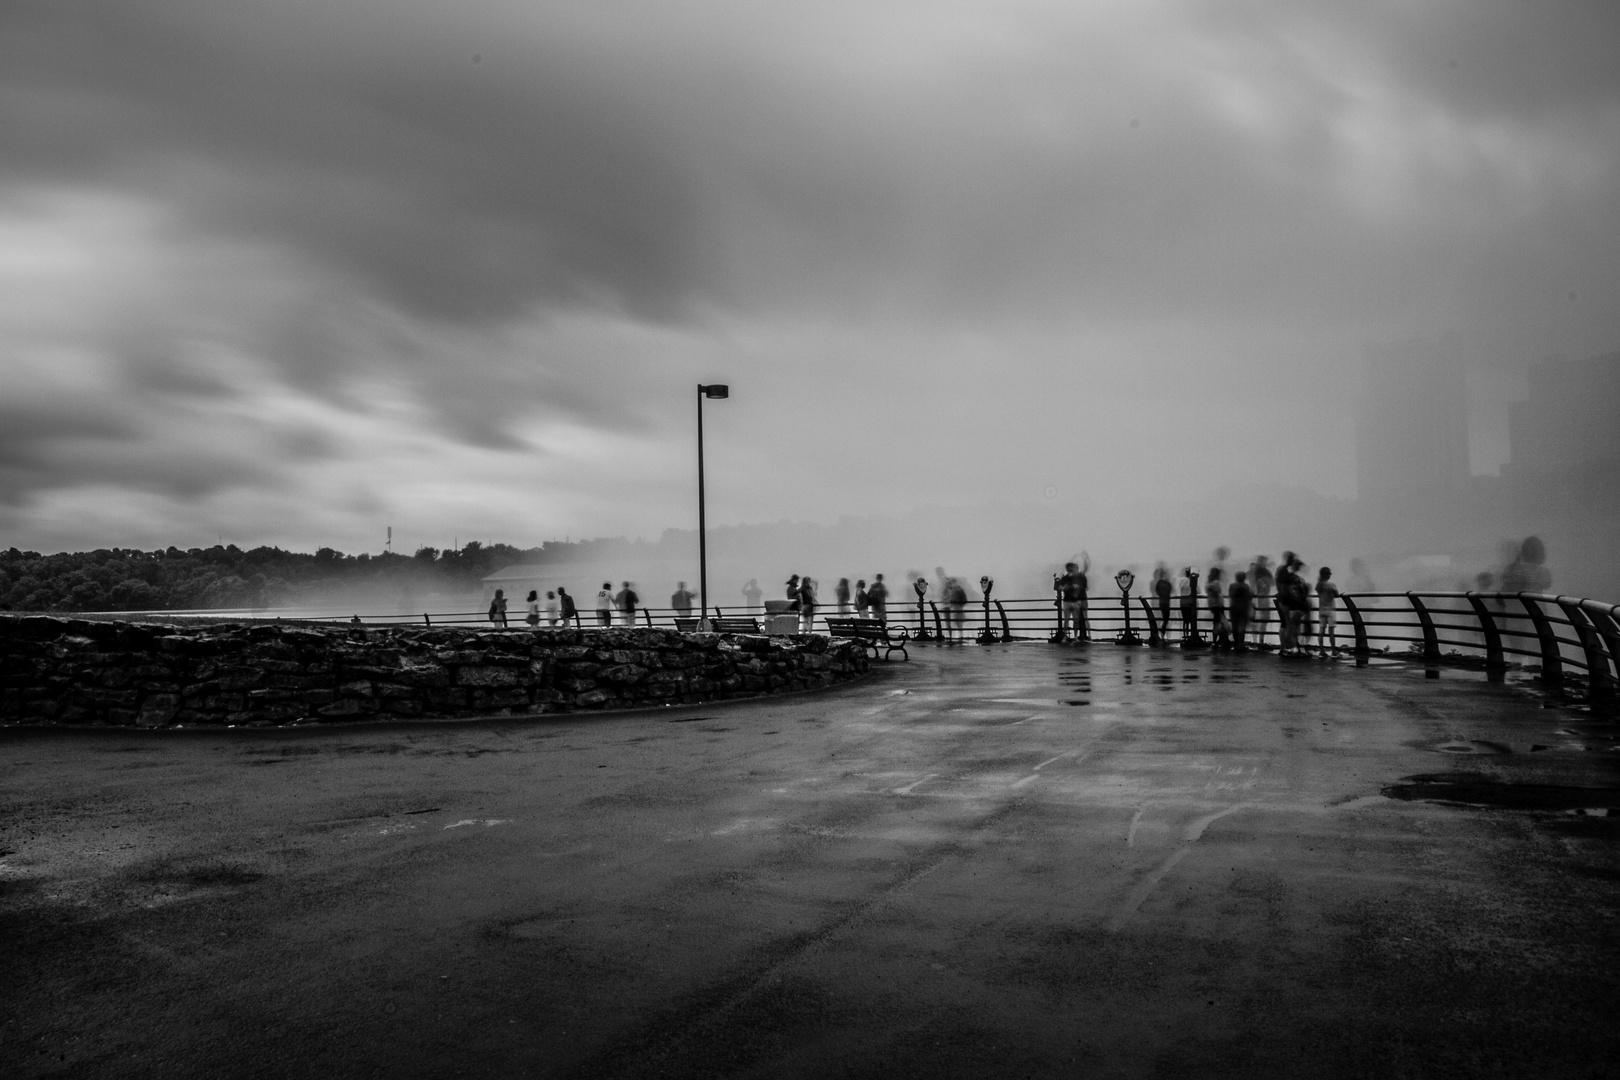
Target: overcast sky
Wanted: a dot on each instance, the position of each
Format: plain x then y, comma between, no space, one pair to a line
292,272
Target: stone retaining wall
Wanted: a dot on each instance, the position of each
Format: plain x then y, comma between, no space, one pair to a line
73,671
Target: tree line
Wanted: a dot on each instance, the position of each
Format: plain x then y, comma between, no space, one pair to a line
225,576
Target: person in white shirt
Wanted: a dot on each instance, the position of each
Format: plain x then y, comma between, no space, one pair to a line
604,605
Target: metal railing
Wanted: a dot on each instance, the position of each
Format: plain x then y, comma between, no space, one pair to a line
1563,636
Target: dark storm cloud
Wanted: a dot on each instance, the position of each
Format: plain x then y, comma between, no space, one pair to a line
457,192
473,166
348,229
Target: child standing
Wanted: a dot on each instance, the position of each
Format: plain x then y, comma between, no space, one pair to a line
1327,610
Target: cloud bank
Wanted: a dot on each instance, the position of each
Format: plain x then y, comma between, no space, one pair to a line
289,273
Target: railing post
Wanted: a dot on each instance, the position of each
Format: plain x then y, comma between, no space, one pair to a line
426,620
1006,629
1495,663
1153,623
1363,650
939,629
1599,684
1552,658
1431,640
1608,628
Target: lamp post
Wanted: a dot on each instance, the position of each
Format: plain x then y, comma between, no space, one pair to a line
716,390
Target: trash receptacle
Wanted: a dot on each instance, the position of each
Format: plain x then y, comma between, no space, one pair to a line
781,617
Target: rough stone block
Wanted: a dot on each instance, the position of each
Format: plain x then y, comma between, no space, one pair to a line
157,709
490,676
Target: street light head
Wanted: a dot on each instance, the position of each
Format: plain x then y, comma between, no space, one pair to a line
715,390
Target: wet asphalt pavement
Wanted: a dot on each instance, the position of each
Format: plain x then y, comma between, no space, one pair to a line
1010,861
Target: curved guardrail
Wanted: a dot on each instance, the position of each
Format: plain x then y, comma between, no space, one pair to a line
1563,636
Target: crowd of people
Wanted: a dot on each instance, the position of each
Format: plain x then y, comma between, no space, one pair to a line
1237,611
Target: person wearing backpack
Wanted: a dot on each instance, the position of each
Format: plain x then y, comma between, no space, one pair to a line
497,608
566,606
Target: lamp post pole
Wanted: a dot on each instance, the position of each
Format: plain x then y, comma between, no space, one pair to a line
711,391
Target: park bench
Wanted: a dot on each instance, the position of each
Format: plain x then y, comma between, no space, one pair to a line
872,634
730,624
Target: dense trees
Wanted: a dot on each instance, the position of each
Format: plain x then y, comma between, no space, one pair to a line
122,579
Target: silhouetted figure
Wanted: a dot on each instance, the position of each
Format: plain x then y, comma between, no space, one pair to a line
1359,580
1187,587
841,595
567,609
627,601
604,605
1240,599
1528,572
497,608
1163,589
1220,629
807,604
955,609
863,603
878,596
793,592
1327,611
1292,604
751,594
1072,589
533,616
681,600
1261,579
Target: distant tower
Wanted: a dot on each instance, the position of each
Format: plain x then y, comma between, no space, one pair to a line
1412,425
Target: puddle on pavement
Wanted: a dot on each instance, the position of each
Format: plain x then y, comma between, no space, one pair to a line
1037,701
1472,790
1472,746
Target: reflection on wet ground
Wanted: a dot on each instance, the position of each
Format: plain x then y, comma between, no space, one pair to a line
1012,860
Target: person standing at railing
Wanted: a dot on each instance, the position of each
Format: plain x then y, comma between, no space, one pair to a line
1072,594
863,602
955,609
1260,577
681,601
1187,589
604,605
878,596
627,601
1163,589
497,608
552,609
1327,611
751,594
1291,604
807,604
1239,598
533,615
565,603
841,594
1220,629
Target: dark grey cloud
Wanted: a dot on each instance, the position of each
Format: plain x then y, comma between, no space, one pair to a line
489,220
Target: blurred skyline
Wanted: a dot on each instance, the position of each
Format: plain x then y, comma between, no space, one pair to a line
295,273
